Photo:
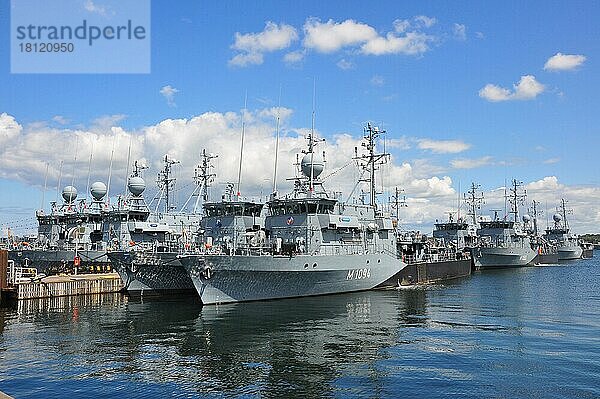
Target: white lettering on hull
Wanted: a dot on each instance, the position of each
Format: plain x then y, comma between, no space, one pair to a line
358,274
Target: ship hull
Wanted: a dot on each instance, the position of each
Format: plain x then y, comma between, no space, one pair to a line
60,261
152,273
224,279
430,272
587,253
569,253
547,259
497,257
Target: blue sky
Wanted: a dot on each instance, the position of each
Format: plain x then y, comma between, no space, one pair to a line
433,93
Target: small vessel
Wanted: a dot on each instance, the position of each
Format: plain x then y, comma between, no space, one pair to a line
313,244
503,243
560,235
429,260
587,250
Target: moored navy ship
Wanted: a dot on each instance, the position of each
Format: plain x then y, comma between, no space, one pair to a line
560,235
146,259
314,244
503,243
547,252
70,237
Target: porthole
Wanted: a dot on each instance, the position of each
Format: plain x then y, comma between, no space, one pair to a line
368,261
314,265
306,265
378,260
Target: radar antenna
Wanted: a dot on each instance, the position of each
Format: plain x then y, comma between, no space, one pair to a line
535,212
371,159
516,197
166,182
473,200
398,202
203,177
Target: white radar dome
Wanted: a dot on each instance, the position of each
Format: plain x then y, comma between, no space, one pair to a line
98,190
136,185
69,193
317,165
557,218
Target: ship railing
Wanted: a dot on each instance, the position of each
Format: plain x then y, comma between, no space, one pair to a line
19,275
436,257
501,243
161,247
354,249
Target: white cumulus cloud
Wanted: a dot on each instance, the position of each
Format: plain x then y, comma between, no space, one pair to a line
331,36
443,146
527,88
252,46
564,62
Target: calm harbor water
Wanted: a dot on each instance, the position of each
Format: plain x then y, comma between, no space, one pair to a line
531,332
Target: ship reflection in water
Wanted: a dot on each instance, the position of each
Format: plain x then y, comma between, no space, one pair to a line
504,333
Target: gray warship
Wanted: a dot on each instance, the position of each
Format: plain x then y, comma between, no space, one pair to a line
462,233
560,235
147,258
313,243
503,243
70,237
428,259
547,252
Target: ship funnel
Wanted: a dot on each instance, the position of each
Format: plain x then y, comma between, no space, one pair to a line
526,218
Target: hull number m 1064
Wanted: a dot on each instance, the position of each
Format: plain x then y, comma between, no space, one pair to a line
358,274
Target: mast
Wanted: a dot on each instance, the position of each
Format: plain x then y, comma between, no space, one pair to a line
203,178
398,202
473,201
516,198
45,186
112,153
59,180
239,182
276,143
310,141
563,209
534,207
127,168
371,159
166,182
87,188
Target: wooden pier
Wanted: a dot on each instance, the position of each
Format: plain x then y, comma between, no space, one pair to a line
83,284
56,286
